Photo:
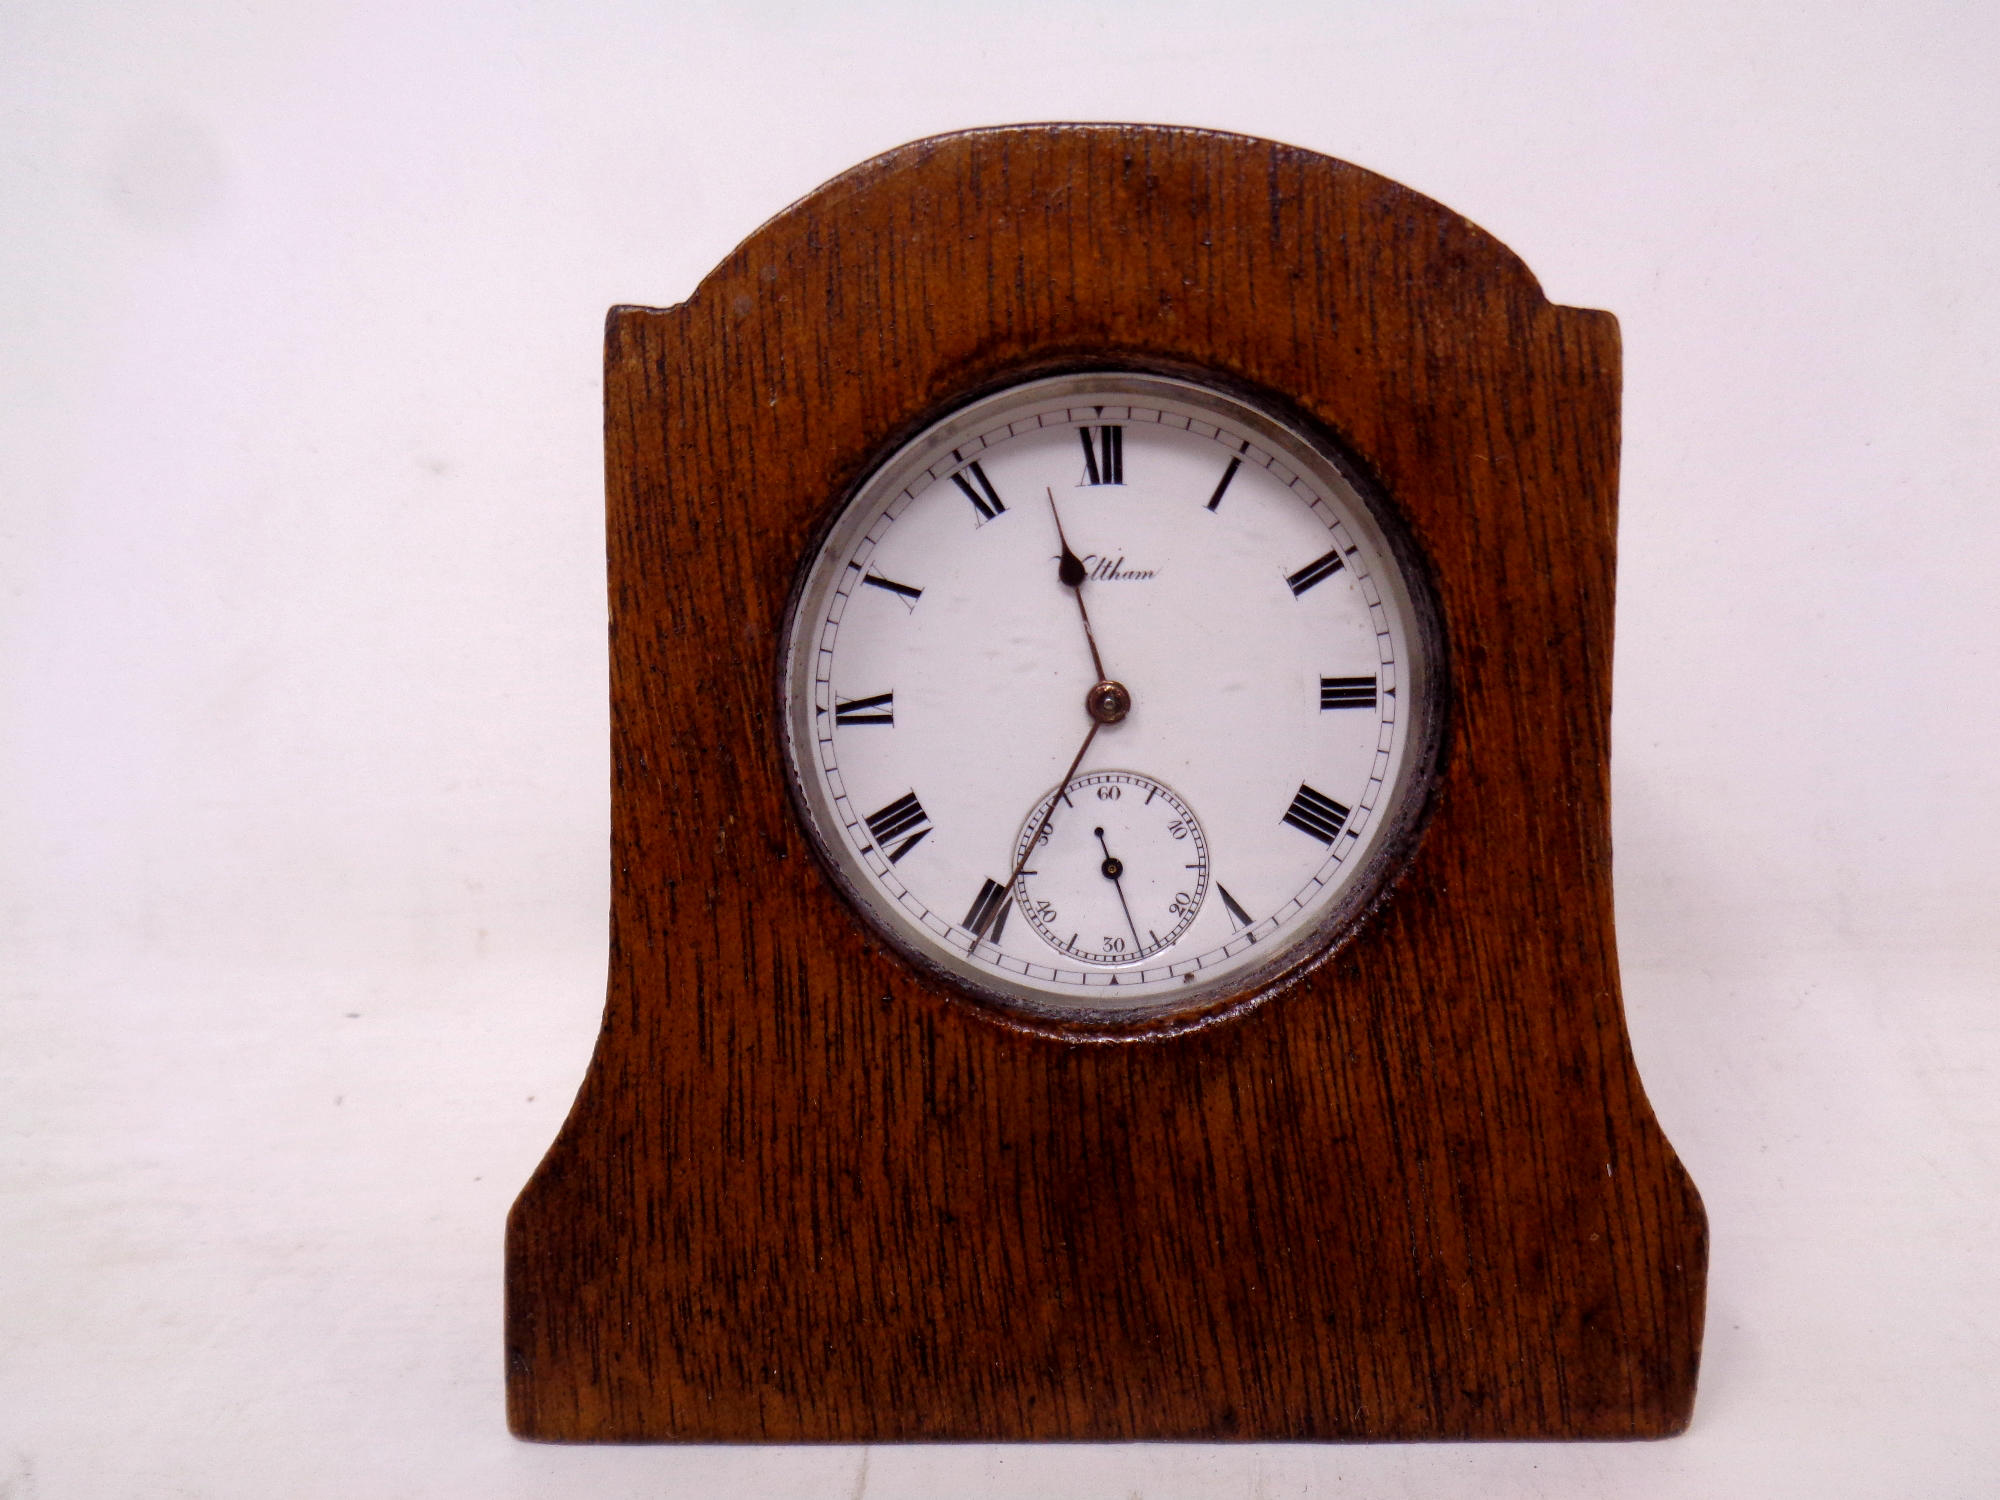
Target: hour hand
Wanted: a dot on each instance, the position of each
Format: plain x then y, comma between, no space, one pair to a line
1069,571
1069,567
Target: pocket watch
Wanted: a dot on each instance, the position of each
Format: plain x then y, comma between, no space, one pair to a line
1108,697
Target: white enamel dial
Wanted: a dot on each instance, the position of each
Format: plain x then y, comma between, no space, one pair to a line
1109,622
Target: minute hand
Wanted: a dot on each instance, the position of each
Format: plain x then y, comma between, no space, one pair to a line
1049,812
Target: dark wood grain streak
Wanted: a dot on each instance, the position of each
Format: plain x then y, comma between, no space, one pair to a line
804,1195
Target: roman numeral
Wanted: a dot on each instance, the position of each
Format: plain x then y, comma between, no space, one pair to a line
1238,917
979,490
1317,571
989,909
1317,814
1103,461
902,591
1228,474
880,709
1346,692
904,816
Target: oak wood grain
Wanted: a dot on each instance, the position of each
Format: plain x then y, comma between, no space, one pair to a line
806,1195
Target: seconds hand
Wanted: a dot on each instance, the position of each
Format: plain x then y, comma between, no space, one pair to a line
1114,870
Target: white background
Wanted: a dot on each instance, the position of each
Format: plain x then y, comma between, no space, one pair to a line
302,688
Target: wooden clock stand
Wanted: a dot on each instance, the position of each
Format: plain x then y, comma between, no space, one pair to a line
809,1195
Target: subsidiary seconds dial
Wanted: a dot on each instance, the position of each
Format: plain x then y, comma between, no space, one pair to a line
1115,861
1109,698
